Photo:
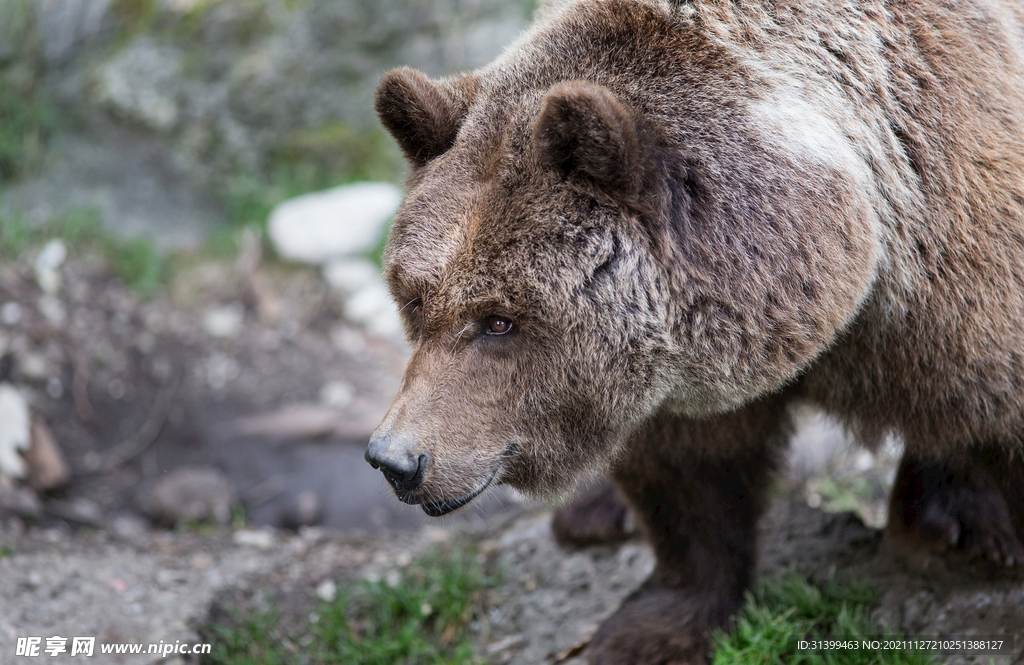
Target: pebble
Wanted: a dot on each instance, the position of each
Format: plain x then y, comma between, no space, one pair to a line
10,313
350,275
261,538
327,591
224,321
47,265
337,394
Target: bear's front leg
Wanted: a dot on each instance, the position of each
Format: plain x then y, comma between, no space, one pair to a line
697,488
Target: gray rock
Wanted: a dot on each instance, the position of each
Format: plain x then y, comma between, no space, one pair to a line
130,180
225,320
65,26
10,313
188,494
141,84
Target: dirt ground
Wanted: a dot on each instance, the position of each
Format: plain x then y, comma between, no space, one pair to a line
247,369
244,369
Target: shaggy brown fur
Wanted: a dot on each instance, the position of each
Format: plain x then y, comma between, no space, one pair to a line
633,239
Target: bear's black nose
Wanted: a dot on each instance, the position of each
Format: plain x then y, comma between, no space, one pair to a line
402,467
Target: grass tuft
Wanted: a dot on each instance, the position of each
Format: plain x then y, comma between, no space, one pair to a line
419,617
783,611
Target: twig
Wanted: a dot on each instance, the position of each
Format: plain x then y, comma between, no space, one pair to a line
80,386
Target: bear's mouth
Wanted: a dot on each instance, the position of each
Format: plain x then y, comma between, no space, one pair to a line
439,508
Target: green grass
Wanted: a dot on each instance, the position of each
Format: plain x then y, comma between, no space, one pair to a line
418,619
6,551
783,611
26,123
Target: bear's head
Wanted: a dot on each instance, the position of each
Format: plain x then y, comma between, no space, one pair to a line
608,222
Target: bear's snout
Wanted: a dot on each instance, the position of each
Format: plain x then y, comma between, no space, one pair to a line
398,461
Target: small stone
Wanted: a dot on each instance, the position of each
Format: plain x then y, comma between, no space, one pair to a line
372,308
261,539
33,366
327,591
10,313
47,265
224,321
54,387
15,431
52,310
128,526
349,275
344,221
191,493
337,394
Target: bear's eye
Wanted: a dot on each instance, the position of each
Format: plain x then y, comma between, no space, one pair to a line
497,325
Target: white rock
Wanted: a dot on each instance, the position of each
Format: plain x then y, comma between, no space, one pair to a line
337,394
373,308
261,539
224,321
327,591
10,313
48,263
142,83
15,431
343,221
352,274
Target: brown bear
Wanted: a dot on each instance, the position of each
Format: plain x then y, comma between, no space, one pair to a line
633,240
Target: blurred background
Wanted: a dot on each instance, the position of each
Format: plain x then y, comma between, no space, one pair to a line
187,334
194,196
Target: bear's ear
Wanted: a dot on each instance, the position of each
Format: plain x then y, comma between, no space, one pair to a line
424,116
584,132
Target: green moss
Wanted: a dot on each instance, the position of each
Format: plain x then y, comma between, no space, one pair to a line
341,150
135,17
